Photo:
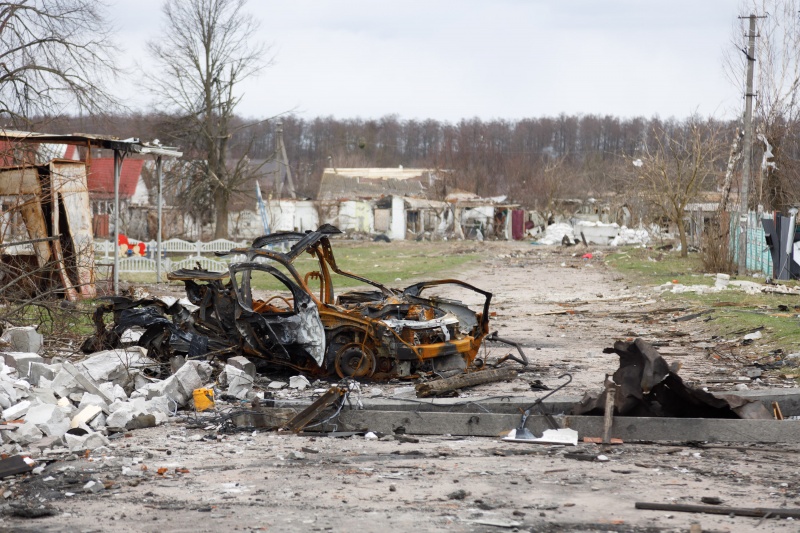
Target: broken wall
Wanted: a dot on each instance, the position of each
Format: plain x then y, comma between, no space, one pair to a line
53,201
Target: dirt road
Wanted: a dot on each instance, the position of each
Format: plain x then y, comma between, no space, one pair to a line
186,476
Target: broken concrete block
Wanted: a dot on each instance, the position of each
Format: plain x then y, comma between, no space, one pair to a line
116,366
21,361
121,417
38,370
117,405
169,387
92,399
160,404
75,396
43,395
244,364
93,486
5,401
193,375
48,418
17,410
10,391
64,384
85,415
276,385
108,365
299,382
238,381
53,441
23,339
140,381
98,422
112,390
90,441
85,381
139,404
25,434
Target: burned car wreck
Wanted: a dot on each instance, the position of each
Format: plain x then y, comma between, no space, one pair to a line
301,323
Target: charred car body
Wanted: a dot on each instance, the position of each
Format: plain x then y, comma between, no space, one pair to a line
378,333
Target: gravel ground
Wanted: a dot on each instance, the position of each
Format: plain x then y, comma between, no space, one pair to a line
187,476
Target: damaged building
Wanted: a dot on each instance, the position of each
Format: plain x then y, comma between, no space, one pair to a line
47,218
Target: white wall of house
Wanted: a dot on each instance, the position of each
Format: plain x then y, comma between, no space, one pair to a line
141,195
283,215
356,216
292,215
397,226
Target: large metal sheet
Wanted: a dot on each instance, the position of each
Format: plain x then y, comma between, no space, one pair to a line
16,181
69,179
33,216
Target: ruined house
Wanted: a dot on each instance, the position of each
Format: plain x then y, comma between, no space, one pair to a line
132,192
46,221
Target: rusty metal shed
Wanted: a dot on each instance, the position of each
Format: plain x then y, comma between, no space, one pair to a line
58,189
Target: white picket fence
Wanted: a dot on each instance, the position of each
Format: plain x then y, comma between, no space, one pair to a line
175,246
104,251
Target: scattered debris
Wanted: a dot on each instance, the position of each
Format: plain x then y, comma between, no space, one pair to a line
379,333
647,386
550,436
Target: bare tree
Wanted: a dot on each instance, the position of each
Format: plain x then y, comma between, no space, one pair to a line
677,162
777,111
204,53
54,54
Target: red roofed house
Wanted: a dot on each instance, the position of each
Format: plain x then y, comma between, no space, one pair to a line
100,178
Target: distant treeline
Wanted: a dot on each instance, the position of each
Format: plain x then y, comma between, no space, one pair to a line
531,160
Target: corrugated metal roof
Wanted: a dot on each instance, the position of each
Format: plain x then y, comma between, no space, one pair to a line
132,145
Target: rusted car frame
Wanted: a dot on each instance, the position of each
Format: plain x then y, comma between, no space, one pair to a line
378,333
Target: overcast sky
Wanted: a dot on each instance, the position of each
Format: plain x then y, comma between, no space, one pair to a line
454,59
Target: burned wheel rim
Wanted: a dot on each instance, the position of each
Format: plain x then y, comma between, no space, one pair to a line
355,361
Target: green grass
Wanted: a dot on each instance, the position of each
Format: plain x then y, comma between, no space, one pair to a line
734,311
392,264
651,267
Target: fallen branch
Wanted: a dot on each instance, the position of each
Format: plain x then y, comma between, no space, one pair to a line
435,388
759,512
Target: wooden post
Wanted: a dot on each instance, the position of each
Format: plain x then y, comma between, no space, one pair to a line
608,415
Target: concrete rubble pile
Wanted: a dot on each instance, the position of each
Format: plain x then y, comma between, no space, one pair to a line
59,404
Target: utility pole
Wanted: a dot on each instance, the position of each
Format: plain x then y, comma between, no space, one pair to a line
747,145
282,148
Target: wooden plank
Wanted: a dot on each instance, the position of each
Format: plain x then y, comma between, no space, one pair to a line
300,421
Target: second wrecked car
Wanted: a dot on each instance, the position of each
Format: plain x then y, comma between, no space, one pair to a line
284,311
